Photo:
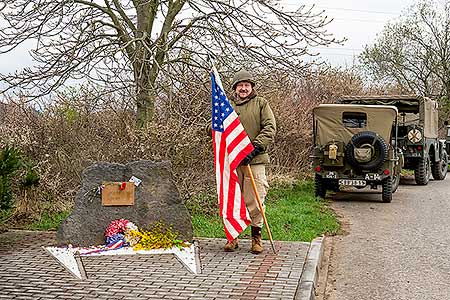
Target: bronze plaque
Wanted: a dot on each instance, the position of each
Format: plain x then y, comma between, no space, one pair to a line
118,193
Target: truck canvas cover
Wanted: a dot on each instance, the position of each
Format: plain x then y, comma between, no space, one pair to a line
329,121
415,107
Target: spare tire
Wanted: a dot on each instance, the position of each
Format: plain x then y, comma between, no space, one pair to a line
370,139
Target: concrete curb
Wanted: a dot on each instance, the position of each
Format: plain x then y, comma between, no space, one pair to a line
310,273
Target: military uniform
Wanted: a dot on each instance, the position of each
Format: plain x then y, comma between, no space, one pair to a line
258,120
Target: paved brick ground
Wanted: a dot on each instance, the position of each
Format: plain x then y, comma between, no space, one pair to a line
28,272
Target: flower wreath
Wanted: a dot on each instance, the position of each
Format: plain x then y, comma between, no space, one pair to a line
122,233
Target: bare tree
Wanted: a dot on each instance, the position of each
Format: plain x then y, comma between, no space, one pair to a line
140,44
415,51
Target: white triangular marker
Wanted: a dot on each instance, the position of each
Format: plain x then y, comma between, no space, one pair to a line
66,258
186,255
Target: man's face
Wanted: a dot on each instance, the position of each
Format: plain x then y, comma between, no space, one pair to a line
243,89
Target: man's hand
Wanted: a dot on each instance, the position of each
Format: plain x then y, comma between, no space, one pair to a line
258,149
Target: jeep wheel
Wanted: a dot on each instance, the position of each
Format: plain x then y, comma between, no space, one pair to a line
386,194
422,172
440,168
320,189
395,182
333,184
371,140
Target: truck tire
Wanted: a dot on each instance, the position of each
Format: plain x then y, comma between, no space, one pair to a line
379,145
395,182
334,185
386,186
439,169
422,171
320,189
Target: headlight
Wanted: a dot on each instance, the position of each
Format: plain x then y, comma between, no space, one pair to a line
414,135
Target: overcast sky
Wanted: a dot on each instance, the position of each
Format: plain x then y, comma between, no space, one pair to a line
358,21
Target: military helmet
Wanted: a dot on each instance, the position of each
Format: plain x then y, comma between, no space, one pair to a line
242,75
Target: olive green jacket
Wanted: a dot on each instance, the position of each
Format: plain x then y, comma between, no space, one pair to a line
258,120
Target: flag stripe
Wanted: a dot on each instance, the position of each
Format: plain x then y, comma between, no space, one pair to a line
234,205
243,149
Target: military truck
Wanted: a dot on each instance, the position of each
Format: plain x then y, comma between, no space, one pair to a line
447,137
423,151
354,146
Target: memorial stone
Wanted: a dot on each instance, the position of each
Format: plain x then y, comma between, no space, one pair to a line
156,199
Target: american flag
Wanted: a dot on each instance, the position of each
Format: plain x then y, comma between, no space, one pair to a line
94,250
231,145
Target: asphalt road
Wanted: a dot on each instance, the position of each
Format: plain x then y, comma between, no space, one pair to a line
398,250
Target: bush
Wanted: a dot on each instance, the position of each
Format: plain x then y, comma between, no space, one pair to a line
77,129
10,162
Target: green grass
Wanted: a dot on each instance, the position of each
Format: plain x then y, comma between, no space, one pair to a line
48,221
405,172
292,211
293,214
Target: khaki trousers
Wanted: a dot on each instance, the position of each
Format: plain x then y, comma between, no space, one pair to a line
259,174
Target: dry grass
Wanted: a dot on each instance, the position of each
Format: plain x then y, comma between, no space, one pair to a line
78,130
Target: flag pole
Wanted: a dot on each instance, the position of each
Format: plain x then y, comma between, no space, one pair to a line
250,173
210,60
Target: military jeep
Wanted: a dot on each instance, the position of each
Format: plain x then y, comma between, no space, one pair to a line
447,137
418,137
354,146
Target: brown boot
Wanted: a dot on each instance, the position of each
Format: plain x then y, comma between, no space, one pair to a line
230,246
257,247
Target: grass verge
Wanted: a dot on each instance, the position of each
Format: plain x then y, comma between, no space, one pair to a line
293,214
292,211
48,221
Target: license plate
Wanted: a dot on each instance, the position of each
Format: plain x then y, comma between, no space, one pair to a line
352,182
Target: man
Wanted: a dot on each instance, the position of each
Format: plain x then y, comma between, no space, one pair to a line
258,120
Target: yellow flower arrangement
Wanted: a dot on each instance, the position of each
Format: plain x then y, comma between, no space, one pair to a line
158,236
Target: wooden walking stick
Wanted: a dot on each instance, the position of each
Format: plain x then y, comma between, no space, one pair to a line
249,171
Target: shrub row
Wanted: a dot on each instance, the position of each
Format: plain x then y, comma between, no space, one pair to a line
75,130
